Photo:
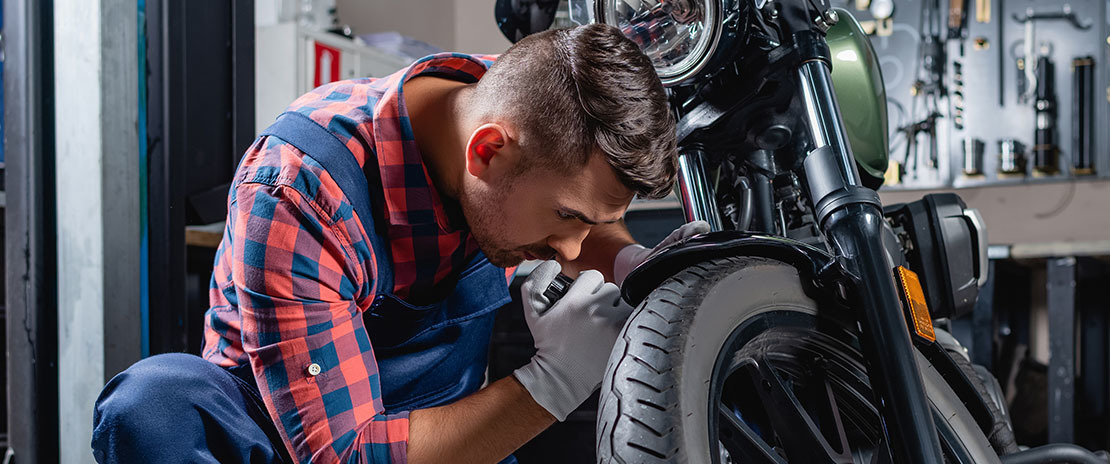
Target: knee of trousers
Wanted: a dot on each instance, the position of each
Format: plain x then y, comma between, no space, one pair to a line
158,399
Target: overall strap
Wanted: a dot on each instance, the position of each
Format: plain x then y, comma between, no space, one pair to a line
320,144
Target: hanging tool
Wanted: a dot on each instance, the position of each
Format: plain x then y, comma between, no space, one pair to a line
1001,25
927,91
1028,62
1039,84
957,30
1065,12
1082,114
1011,157
1028,81
927,126
957,19
973,156
934,62
1045,151
983,11
958,94
883,12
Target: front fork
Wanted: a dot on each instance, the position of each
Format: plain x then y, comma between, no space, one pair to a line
850,215
851,218
698,201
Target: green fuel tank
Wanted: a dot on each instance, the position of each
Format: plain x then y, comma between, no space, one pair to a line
858,82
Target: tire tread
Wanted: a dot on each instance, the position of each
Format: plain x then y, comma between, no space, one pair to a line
624,431
640,393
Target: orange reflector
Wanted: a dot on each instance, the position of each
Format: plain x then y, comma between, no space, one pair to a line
911,287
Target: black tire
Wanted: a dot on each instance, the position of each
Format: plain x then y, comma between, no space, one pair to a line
655,396
1001,435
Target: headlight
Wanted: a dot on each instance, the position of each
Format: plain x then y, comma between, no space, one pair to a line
519,18
679,36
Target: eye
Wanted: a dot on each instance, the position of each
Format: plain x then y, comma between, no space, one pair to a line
563,214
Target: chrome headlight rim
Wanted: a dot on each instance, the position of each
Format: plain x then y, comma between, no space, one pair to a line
697,60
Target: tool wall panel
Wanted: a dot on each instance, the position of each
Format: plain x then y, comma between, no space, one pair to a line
978,95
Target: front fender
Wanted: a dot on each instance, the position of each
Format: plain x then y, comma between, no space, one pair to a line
812,263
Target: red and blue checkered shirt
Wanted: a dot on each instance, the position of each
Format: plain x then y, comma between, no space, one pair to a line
295,270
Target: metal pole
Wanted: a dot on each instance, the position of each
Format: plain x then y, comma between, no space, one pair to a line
166,171
982,345
1061,350
698,201
762,192
852,220
32,370
892,367
825,121
96,84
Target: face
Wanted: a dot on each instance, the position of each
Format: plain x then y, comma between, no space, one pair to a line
540,213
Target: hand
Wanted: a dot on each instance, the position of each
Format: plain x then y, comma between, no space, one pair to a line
573,337
634,255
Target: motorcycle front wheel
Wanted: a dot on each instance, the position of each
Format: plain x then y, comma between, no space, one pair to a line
731,361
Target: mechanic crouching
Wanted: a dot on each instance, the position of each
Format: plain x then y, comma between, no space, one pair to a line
371,233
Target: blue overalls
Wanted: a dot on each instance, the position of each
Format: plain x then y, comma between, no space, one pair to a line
427,355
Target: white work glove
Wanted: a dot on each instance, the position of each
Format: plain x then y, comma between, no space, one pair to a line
634,255
573,337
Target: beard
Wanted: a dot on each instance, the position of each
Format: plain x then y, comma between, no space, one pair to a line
483,209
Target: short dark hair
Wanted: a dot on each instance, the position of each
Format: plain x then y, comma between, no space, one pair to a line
573,91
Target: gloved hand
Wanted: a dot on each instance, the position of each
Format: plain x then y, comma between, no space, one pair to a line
634,255
573,337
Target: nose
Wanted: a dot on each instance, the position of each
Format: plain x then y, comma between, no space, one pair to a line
568,245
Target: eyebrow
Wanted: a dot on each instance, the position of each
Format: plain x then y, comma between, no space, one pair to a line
582,217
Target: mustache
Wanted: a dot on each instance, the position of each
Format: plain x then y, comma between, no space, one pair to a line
540,251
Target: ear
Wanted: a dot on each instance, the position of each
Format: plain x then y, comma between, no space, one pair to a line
487,143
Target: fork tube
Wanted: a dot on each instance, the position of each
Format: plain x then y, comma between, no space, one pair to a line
851,219
824,117
763,219
698,200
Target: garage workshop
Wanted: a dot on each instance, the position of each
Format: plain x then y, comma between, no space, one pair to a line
555,231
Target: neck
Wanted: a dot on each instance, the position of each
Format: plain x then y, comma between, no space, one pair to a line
435,112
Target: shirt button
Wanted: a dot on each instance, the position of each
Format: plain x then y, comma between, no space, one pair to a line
313,369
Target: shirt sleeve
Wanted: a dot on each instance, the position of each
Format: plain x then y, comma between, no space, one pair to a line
298,283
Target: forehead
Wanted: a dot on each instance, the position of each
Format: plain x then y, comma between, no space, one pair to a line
594,185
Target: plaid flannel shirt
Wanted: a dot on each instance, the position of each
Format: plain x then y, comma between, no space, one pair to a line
295,270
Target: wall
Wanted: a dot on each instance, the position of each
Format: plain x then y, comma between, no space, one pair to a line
476,29
1033,213
454,25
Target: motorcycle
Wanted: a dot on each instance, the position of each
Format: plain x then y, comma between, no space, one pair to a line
801,329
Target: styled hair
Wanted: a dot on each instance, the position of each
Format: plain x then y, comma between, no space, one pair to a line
573,92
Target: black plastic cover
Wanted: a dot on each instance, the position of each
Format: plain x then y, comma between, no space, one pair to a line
943,250
812,263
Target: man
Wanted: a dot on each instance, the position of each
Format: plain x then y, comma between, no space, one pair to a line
367,235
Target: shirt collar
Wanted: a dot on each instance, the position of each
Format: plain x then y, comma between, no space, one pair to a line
410,196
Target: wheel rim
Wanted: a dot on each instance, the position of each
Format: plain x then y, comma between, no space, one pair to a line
790,386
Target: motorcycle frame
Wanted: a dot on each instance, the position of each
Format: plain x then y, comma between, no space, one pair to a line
849,215
850,219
